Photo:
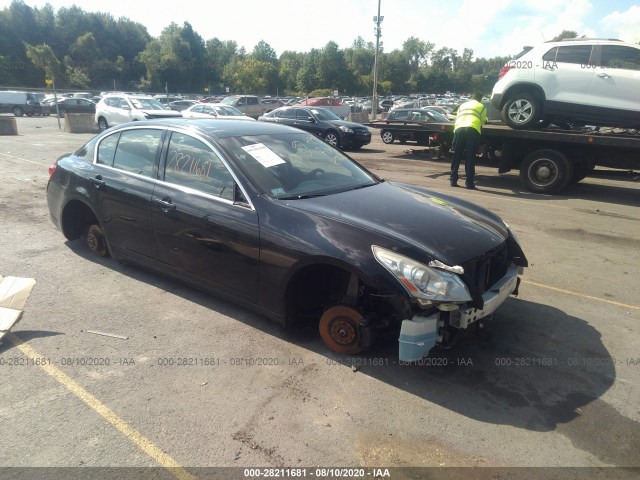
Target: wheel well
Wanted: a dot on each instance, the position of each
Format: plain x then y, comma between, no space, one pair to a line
524,88
76,218
314,288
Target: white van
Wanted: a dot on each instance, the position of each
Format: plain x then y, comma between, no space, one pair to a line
19,103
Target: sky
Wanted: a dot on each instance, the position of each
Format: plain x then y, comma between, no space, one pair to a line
491,28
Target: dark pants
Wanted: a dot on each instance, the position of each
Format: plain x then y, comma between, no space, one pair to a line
466,141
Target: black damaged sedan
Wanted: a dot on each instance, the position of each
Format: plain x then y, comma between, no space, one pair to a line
277,220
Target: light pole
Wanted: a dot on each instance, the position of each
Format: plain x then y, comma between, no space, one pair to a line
374,99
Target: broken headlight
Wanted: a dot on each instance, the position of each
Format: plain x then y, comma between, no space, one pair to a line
422,281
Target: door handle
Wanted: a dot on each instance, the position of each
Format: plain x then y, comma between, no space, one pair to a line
604,75
98,182
164,204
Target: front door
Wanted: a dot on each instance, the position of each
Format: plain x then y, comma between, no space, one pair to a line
201,231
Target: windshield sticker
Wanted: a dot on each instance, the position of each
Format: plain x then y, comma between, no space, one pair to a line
277,191
263,154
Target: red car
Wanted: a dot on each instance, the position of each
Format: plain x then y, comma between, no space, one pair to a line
336,106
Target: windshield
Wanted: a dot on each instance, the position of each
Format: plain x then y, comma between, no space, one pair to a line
323,114
296,165
229,100
147,104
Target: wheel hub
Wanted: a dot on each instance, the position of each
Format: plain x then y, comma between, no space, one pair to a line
342,331
544,172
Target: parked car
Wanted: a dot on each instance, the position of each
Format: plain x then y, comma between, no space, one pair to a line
114,109
19,103
215,110
180,105
248,104
321,123
581,80
275,219
68,105
269,104
329,103
411,115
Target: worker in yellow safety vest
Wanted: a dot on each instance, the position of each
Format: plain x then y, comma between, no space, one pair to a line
472,115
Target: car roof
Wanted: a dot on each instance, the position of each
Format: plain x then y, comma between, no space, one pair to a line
214,127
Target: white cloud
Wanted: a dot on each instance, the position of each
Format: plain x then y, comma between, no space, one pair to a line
623,25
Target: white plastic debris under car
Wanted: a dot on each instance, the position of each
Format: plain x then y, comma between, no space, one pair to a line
14,292
417,337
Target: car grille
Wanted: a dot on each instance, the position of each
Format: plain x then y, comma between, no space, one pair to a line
361,131
486,271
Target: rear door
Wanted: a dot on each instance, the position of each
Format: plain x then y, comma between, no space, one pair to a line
565,77
204,228
123,179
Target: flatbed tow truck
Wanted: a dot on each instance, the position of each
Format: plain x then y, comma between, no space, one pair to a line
549,159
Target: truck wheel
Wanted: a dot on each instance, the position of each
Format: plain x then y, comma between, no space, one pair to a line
387,136
546,171
522,110
18,111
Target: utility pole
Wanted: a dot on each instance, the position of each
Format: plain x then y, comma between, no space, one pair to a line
374,98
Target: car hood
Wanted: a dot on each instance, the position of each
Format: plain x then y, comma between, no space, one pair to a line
345,123
415,221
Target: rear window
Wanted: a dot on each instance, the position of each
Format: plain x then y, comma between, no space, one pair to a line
620,56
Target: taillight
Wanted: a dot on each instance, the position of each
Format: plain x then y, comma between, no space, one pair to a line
52,167
435,137
504,70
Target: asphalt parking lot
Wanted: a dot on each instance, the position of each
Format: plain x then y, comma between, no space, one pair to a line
191,381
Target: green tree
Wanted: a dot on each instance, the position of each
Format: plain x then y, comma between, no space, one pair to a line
565,34
44,58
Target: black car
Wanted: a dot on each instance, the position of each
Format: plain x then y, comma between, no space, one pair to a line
278,220
410,115
70,105
322,123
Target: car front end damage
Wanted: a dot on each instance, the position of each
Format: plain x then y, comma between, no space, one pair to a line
447,299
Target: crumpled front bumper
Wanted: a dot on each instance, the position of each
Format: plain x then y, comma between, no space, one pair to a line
421,334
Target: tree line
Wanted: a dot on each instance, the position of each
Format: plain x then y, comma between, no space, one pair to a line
94,51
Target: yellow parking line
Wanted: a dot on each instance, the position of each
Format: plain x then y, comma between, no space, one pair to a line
581,295
105,412
24,159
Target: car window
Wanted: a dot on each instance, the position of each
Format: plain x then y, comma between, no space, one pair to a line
402,115
287,113
191,163
136,151
107,149
304,115
252,101
578,54
619,56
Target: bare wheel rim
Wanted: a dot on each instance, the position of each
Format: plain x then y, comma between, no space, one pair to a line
96,240
520,111
339,329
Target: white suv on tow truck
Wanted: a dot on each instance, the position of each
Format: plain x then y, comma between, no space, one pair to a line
590,81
